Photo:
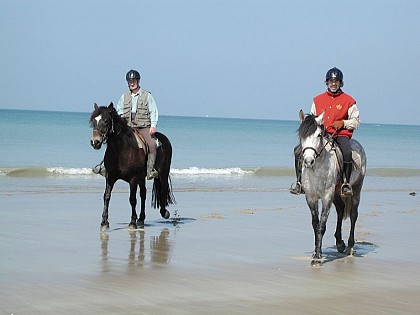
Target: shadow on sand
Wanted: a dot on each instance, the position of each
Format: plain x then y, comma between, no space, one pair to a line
361,249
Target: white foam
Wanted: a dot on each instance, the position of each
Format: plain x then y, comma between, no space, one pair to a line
190,171
70,171
196,171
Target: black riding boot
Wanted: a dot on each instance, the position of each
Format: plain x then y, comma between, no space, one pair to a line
346,189
297,190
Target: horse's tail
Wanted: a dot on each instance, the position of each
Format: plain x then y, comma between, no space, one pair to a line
157,193
162,195
347,207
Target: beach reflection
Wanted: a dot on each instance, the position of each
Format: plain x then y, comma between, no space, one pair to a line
160,247
143,250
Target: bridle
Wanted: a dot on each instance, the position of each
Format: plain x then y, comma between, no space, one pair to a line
328,140
313,149
109,130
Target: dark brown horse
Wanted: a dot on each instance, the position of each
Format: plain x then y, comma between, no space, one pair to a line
125,160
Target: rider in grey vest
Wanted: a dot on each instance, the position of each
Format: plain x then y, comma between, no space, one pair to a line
139,109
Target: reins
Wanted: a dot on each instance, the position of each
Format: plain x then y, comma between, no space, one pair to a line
329,140
340,166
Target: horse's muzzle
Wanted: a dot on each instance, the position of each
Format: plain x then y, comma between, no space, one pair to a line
96,140
96,144
308,161
309,156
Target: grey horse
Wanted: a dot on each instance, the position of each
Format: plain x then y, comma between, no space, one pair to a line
321,163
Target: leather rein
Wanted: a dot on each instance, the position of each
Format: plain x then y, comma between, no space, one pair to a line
329,140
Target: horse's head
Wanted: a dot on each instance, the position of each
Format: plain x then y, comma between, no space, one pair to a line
102,123
311,132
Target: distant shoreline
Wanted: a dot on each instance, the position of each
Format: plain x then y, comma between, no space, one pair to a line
201,117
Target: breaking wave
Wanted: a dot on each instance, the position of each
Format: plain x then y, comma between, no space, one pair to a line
30,172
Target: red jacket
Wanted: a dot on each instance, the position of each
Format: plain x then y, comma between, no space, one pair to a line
336,107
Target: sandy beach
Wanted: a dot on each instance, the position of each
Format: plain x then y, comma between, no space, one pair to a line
222,252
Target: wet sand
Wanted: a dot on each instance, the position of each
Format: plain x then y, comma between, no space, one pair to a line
223,252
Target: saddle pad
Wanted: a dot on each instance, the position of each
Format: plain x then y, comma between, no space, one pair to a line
357,162
358,168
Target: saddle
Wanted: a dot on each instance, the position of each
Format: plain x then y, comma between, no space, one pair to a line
142,142
356,158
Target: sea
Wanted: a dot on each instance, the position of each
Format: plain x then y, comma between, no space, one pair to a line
42,149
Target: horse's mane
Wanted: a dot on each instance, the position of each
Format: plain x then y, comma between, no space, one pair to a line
307,127
120,123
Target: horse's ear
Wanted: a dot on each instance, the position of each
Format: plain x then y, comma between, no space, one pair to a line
111,106
320,119
301,116
95,106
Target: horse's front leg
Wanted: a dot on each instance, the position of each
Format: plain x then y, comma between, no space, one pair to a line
143,191
133,203
319,232
107,197
313,207
339,206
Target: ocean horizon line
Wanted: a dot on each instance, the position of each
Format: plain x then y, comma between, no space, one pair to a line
202,117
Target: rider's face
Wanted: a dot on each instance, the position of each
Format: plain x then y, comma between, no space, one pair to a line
333,85
133,84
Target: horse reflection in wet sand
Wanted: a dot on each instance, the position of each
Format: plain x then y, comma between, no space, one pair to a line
321,181
154,251
125,160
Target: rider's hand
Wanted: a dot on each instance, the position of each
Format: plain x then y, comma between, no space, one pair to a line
337,125
152,130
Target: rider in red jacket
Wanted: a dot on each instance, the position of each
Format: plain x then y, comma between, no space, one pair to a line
341,118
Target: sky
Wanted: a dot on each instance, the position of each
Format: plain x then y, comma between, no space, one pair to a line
262,59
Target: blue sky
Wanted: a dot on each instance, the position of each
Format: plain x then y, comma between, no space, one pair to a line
240,58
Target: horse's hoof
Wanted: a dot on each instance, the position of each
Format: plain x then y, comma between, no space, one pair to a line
132,226
316,262
140,224
104,227
167,215
341,246
350,251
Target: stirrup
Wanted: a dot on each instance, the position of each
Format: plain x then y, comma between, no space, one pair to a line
99,169
152,174
297,190
346,190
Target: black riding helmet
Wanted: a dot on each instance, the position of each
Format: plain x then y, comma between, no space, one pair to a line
334,74
132,75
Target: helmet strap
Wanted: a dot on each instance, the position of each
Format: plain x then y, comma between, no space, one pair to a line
338,92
